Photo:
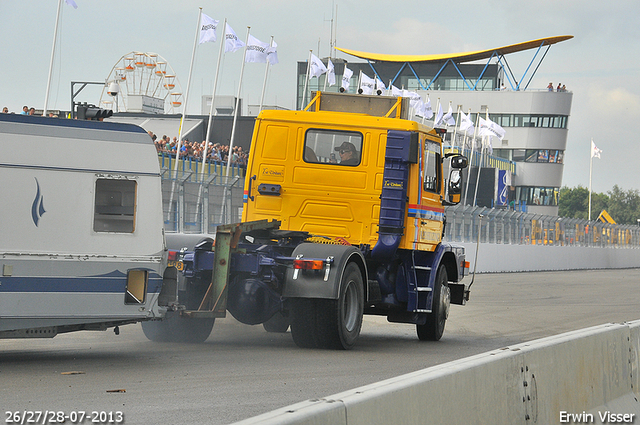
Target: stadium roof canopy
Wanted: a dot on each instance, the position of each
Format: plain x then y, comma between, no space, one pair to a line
458,58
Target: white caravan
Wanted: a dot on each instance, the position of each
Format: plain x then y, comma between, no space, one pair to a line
81,227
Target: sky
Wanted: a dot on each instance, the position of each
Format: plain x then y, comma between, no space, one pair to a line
600,65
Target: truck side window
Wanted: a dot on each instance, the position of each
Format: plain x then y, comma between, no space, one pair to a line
333,147
430,167
115,206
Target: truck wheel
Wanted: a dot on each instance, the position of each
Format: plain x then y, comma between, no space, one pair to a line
277,324
322,323
175,328
434,328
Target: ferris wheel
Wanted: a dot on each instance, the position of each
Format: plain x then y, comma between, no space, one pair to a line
142,82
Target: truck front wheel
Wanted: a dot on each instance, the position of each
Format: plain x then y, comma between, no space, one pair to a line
433,329
323,323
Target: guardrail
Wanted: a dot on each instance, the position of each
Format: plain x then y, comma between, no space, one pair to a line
586,376
505,226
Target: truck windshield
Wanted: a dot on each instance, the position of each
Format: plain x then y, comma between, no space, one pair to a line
333,147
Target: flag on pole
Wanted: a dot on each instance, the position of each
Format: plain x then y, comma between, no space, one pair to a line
207,29
595,152
71,3
272,53
380,85
466,125
346,78
395,91
256,50
427,110
448,118
439,115
489,128
317,68
231,40
367,84
331,73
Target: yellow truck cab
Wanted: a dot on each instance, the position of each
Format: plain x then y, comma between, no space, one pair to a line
343,216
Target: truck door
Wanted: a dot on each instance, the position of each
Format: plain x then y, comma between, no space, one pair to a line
430,212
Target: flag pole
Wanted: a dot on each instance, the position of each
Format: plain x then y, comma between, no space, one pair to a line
473,142
264,83
184,110
235,110
53,52
206,139
306,81
233,129
590,172
481,160
455,129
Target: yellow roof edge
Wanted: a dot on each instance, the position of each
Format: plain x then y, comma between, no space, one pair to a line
458,57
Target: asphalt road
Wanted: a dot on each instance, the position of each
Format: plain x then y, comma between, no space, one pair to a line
242,371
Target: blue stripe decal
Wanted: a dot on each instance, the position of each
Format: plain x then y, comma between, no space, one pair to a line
114,282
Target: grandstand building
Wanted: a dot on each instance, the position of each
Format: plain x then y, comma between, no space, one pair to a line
525,168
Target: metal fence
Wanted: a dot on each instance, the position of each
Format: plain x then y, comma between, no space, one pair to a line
196,203
506,226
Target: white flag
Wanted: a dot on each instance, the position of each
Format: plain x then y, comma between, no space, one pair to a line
448,118
231,41
395,91
438,119
272,53
367,84
595,152
316,67
415,101
380,85
71,3
427,110
487,141
346,78
256,50
489,128
207,29
466,125
331,73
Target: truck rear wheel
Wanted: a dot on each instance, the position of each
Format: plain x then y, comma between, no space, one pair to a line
433,329
323,323
175,328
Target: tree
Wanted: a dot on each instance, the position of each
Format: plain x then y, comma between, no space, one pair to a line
574,203
624,207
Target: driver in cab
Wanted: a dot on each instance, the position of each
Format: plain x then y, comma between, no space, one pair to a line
348,154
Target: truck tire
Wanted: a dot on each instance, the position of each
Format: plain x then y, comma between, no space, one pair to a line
333,324
175,328
277,324
433,329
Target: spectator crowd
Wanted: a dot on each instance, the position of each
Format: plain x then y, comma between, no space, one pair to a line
215,152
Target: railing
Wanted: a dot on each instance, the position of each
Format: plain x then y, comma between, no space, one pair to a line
167,161
506,226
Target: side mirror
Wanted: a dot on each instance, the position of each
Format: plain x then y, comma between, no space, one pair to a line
459,162
454,188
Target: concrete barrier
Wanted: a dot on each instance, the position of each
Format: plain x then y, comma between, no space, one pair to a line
585,376
497,258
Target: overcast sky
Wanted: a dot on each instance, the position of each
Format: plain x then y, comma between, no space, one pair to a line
600,65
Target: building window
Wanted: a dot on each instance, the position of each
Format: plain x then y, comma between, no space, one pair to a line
115,206
547,196
333,147
522,120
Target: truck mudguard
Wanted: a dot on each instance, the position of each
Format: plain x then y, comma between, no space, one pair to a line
319,283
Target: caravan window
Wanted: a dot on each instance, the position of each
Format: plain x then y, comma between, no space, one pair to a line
115,206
